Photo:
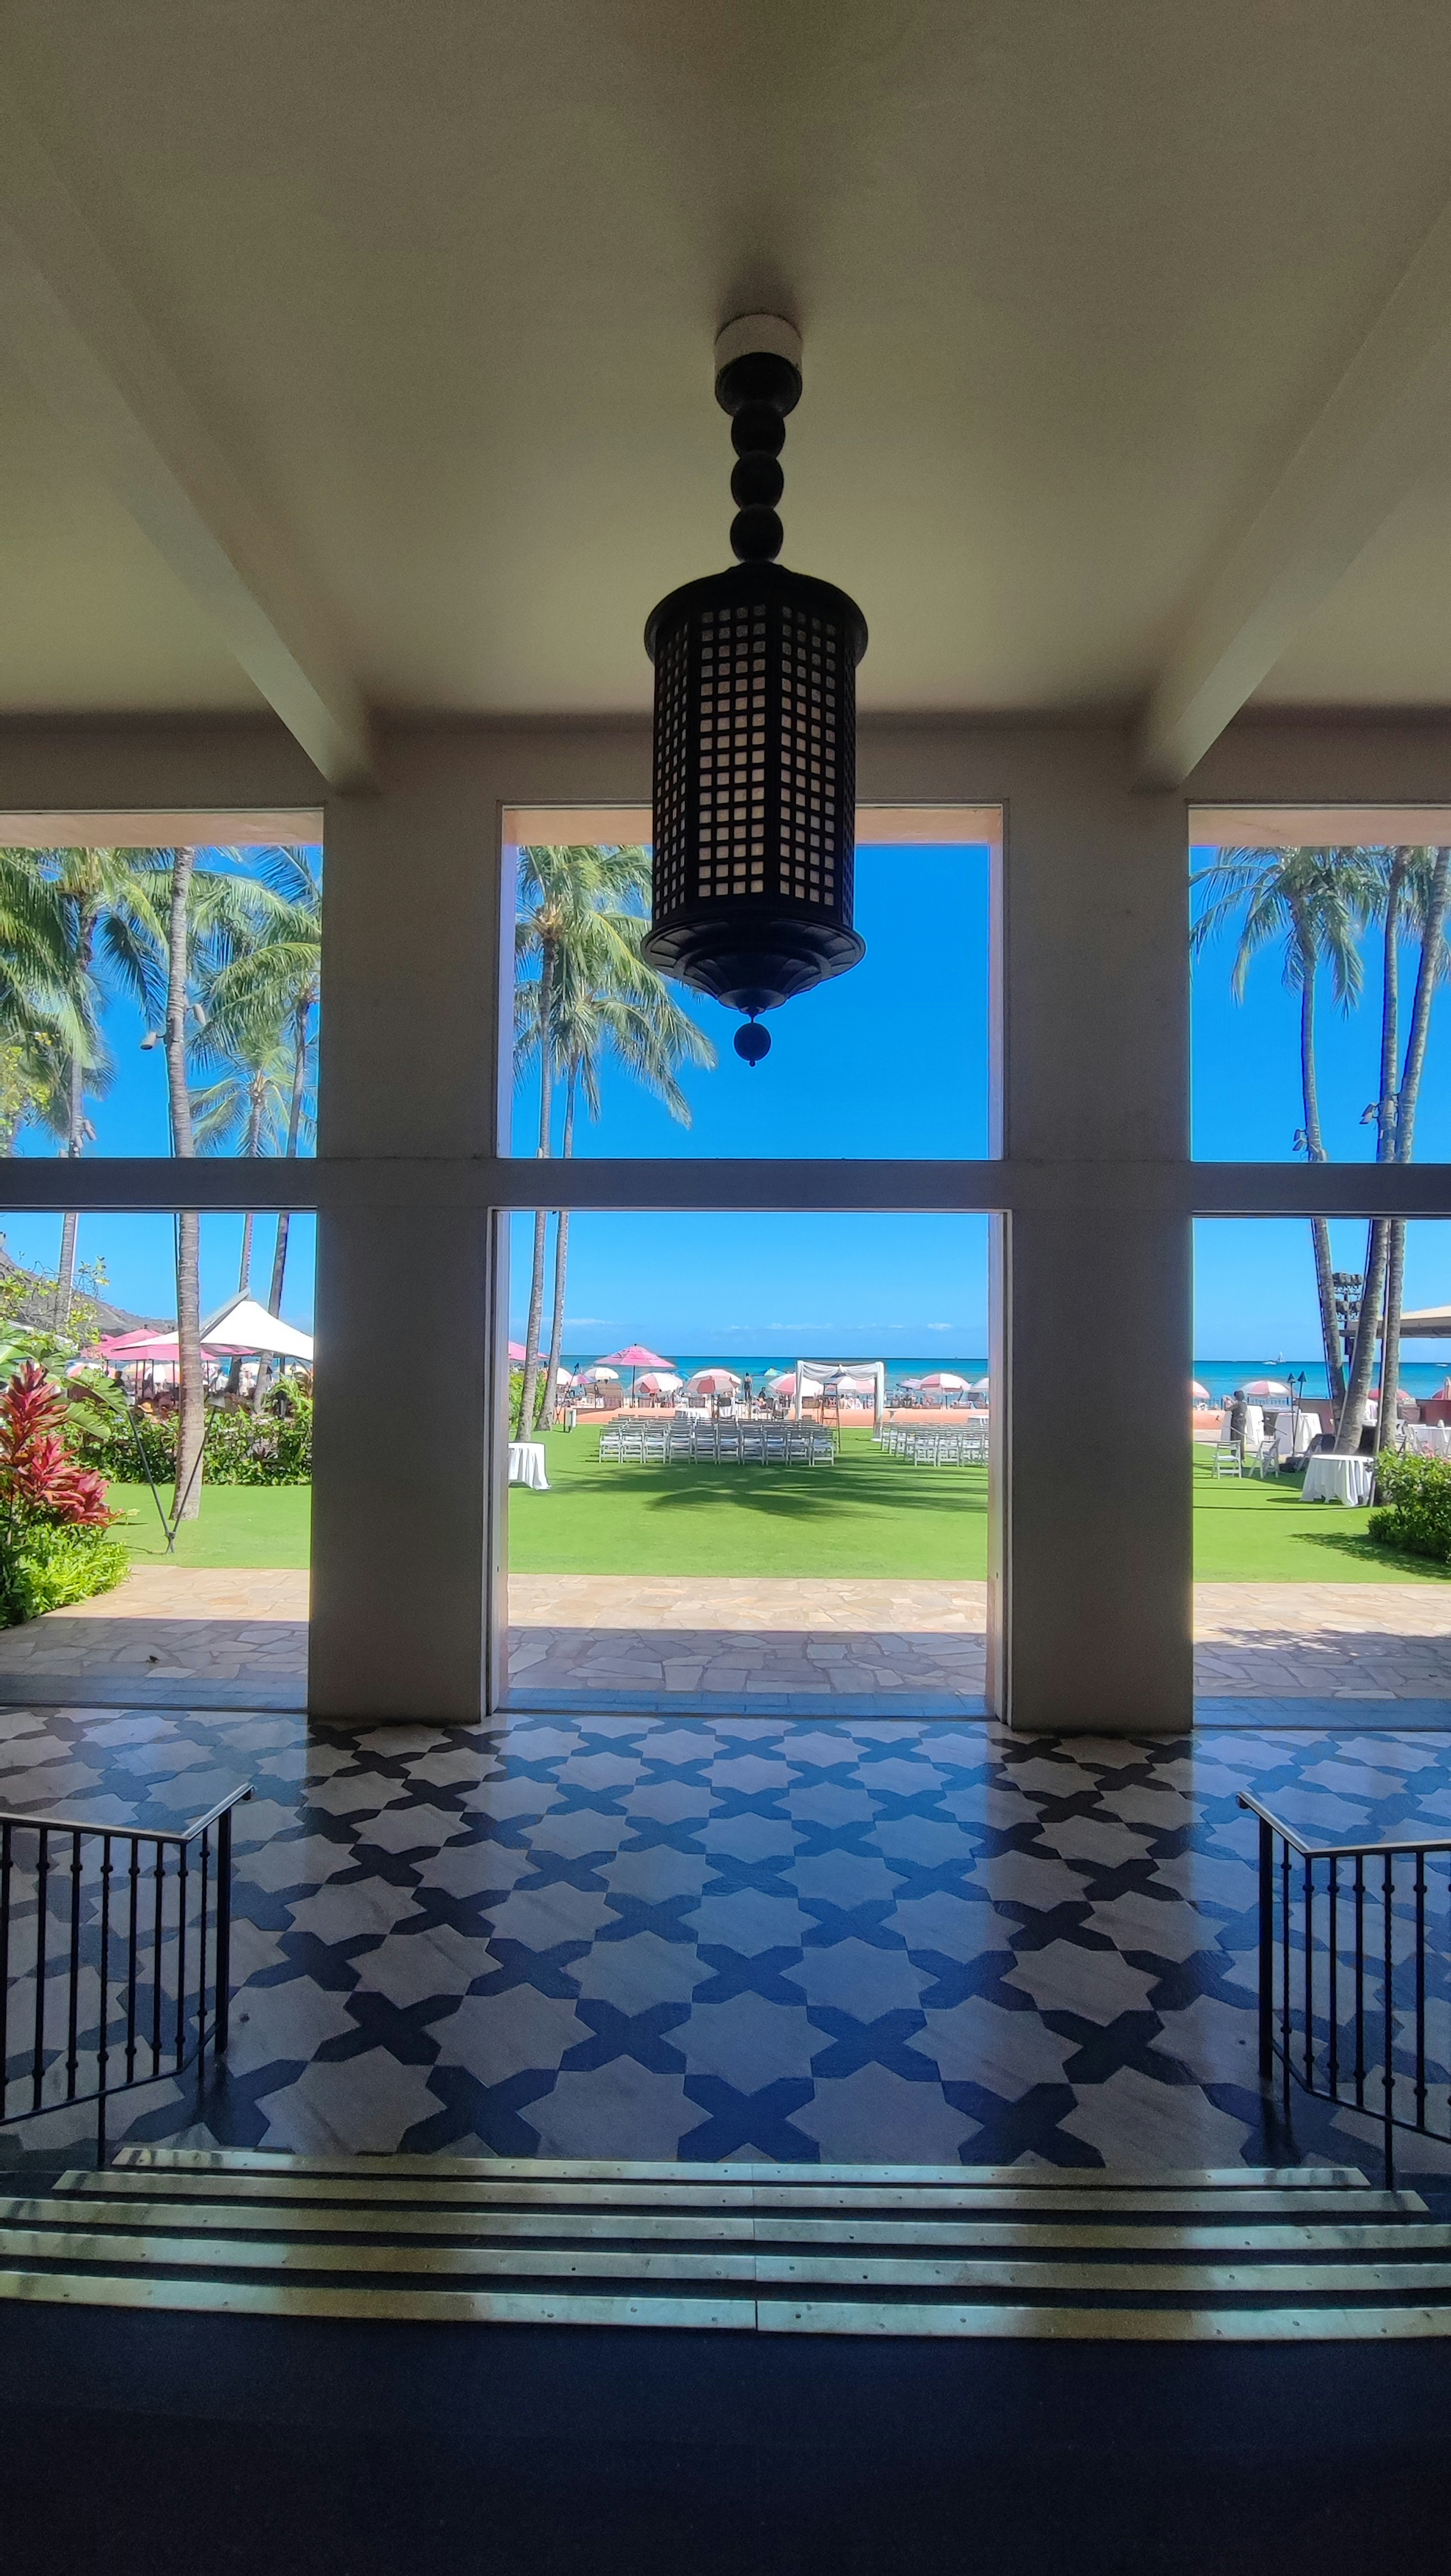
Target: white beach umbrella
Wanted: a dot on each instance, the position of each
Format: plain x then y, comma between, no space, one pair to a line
714,1381
660,1382
1199,1393
598,1377
947,1381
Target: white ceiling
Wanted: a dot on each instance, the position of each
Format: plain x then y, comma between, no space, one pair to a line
441,280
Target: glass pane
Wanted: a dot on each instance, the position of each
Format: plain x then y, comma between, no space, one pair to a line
1322,1544
890,1059
1291,1001
208,1609
766,1474
89,1022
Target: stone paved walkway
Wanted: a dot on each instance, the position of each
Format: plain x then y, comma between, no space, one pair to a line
240,1638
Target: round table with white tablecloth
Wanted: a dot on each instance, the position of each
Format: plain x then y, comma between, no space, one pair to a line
526,1465
1330,1478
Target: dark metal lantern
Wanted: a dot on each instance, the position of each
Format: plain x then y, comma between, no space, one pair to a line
755,735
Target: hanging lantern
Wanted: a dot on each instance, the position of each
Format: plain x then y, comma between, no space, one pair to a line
755,734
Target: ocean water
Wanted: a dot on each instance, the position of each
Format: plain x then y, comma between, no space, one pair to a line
1420,1378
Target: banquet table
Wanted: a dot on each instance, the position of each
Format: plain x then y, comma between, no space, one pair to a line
526,1465
1331,1479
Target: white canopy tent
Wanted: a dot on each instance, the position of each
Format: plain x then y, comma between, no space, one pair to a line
813,1378
244,1326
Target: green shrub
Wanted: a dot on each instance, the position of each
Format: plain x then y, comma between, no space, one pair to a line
56,1564
248,1449
243,1448
1415,1515
114,1452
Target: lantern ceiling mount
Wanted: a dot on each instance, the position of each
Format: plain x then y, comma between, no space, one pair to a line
755,732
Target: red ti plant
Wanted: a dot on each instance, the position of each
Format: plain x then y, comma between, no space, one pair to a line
40,1480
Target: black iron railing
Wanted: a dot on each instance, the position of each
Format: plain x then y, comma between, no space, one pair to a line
115,1956
1354,1953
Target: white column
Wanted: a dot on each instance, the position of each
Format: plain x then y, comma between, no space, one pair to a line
1092,1552
409,1056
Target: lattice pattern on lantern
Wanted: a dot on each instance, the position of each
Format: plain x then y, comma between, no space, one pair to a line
810,756
731,854
672,767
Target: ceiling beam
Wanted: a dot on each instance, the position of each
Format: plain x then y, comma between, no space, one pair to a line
70,325
1385,421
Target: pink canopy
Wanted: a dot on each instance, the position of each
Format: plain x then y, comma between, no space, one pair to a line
122,1348
714,1381
635,1357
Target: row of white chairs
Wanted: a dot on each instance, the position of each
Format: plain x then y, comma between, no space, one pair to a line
734,1443
966,1448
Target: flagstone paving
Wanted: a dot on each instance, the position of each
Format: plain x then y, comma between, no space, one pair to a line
615,1638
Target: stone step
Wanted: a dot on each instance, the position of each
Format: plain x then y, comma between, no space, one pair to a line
1237,2255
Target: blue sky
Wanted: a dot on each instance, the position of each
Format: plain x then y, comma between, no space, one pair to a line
891,1059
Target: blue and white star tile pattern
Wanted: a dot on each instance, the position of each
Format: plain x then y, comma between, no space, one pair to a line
823,1939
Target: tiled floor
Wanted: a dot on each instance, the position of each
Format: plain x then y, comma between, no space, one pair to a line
704,1938
606,1641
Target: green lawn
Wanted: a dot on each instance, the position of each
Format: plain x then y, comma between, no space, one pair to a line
1254,1532
868,1514
238,1525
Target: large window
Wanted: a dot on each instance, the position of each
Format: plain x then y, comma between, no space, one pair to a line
764,1434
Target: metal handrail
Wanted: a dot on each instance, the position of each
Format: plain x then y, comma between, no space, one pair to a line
168,2055
1338,1851
1324,2076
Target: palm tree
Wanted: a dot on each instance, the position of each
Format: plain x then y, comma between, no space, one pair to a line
245,1112
575,905
213,917
263,1000
1430,886
1315,902
107,896
261,1009
644,1028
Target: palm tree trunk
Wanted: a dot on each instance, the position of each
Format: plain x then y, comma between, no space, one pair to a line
192,1423
1432,933
284,1222
541,1215
1377,1256
244,1267
1386,1149
1315,1152
75,1144
561,1255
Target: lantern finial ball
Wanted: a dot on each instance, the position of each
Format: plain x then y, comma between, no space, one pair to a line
753,1042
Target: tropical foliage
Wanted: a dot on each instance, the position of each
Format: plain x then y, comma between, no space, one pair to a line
583,996
54,1516
219,950
1414,1513
242,1447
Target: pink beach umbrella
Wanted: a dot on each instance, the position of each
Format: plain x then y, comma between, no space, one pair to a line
714,1381
635,1357
660,1382
946,1382
1198,1392
1259,1387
